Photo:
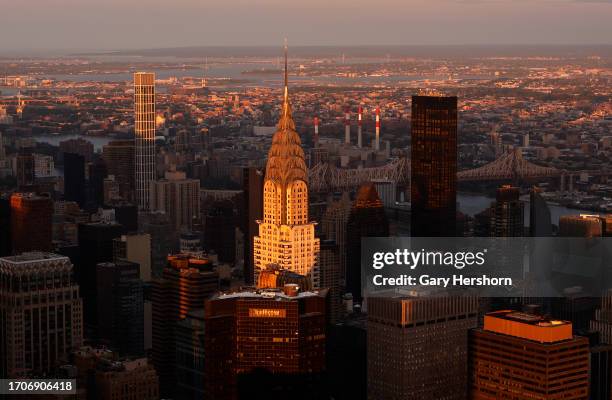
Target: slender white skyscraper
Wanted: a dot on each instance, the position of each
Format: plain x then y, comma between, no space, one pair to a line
144,120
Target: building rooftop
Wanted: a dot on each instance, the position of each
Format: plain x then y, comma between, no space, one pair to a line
528,326
32,256
277,294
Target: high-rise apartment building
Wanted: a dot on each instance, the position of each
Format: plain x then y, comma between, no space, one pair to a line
505,217
247,333
286,236
31,222
418,346
40,314
185,283
367,219
525,356
178,197
434,166
144,129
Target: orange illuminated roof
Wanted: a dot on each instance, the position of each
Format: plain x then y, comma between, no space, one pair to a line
528,326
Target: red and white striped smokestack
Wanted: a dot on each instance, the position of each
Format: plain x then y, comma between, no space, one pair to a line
359,119
347,126
316,132
377,142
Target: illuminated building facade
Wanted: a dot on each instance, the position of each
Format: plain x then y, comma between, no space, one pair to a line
286,236
36,336
434,166
144,128
584,226
418,347
525,356
249,332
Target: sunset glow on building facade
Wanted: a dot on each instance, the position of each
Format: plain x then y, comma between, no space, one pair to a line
144,124
286,237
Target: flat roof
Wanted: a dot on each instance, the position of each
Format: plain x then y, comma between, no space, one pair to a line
32,256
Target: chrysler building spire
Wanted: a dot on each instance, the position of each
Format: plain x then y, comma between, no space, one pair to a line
286,237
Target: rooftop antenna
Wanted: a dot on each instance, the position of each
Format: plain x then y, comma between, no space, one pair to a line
286,77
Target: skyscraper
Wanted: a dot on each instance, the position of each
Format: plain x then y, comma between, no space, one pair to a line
434,166
252,211
95,246
540,224
118,155
5,223
525,356
185,284
74,178
220,230
144,128
418,346
31,222
95,188
40,313
505,216
262,342
367,219
190,357
26,167
178,197
120,307
333,226
286,236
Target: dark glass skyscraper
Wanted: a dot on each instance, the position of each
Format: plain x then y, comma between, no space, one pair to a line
434,165
252,186
120,307
74,178
540,224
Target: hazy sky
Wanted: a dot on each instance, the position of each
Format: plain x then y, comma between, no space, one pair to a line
121,24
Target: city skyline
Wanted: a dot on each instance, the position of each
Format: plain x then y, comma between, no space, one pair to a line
202,228
109,25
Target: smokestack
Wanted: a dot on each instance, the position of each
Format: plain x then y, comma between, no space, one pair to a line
316,132
377,140
347,126
359,118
